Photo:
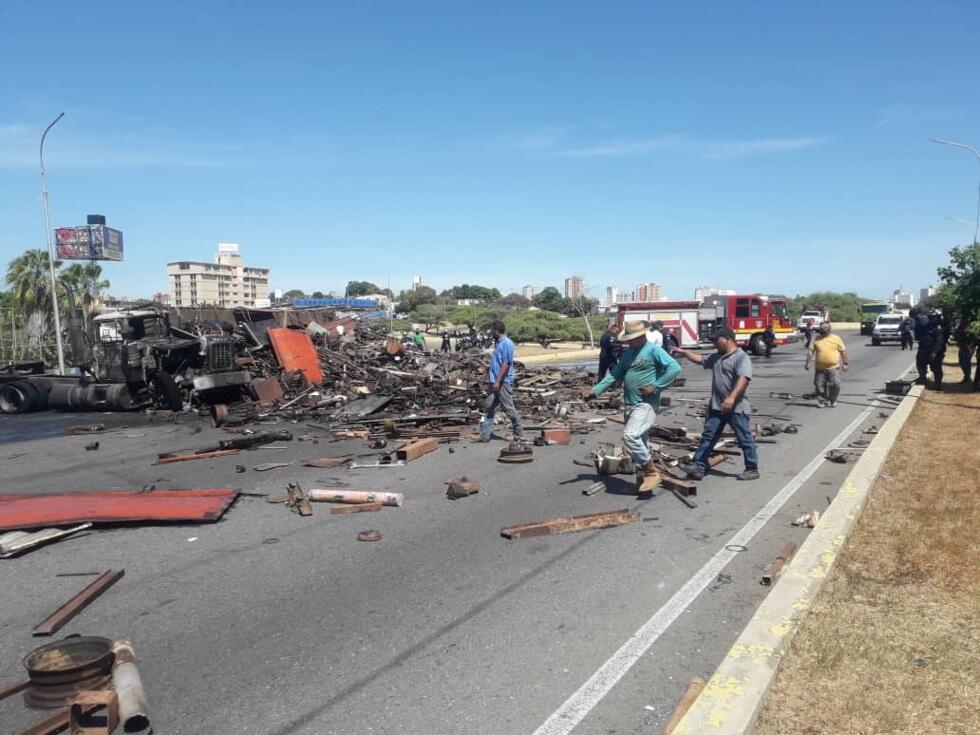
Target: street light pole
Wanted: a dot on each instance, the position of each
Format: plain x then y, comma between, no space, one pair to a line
47,230
975,152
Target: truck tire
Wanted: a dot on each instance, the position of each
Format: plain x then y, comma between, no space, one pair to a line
16,397
757,346
875,342
39,396
165,392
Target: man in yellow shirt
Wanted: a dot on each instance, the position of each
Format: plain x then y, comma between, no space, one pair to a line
831,359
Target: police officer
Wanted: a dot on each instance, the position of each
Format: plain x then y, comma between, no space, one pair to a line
905,330
932,338
446,347
769,338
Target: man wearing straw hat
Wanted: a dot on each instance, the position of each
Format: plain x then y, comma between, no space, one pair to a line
645,370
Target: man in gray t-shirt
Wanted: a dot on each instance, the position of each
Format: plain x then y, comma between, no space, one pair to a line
731,372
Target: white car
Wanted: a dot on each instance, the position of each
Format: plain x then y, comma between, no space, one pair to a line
887,328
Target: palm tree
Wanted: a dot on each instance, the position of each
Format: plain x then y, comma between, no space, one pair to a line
30,280
85,285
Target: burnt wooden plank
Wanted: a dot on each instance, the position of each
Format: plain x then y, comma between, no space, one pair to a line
356,508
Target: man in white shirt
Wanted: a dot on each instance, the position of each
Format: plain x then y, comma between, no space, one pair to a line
655,335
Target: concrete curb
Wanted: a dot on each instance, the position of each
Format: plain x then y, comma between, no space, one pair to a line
733,697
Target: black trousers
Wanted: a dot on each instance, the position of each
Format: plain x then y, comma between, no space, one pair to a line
922,362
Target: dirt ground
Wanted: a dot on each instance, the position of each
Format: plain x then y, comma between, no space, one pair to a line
892,644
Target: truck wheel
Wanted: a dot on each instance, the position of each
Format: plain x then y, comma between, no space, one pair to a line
165,392
16,397
757,346
39,397
875,342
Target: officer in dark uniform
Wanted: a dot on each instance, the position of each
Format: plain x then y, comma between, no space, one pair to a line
446,347
769,338
932,337
610,350
905,330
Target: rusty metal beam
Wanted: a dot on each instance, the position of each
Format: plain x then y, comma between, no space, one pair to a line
776,568
170,458
414,450
79,602
570,524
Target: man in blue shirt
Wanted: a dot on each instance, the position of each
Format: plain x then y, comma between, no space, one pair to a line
500,383
644,370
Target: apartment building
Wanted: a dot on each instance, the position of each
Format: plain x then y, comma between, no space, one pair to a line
227,282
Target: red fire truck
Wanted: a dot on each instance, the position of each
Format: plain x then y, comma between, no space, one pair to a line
747,315
680,318
692,322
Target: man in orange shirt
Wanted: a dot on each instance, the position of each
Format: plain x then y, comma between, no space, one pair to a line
831,360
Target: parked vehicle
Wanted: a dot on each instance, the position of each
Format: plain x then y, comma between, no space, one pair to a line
870,312
747,315
679,317
812,314
887,328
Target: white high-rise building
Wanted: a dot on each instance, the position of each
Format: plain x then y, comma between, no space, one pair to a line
528,292
928,291
574,287
227,282
612,295
901,296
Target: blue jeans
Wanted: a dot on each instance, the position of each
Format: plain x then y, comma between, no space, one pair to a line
639,420
504,400
713,427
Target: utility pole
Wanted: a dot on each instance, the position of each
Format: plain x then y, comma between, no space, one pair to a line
975,152
47,231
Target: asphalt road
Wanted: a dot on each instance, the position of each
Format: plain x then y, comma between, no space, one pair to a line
268,622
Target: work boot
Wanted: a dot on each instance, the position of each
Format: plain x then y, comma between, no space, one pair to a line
691,469
748,475
648,478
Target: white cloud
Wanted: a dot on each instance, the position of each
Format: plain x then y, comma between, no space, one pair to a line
689,146
899,113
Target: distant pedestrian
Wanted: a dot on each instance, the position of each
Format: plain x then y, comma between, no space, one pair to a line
655,335
419,339
446,346
610,350
831,359
808,332
931,338
731,373
670,340
966,347
905,332
769,339
500,384
645,370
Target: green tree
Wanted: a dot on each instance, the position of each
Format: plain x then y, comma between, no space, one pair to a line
960,292
550,299
317,295
513,301
408,301
294,294
428,315
29,278
363,288
844,307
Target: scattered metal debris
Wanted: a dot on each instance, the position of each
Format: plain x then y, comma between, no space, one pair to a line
79,602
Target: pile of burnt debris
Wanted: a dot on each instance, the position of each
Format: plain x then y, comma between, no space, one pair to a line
284,364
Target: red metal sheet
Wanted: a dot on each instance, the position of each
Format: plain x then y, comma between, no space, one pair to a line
113,506
294,350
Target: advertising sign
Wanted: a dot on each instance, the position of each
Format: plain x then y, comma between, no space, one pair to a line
89,242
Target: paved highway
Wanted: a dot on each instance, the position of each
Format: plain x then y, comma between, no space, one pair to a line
271,623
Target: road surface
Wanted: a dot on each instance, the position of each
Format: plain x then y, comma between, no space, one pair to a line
271,623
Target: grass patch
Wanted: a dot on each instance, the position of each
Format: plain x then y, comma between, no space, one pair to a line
892,644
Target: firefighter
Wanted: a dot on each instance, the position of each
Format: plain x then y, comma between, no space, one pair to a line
769,338
932,339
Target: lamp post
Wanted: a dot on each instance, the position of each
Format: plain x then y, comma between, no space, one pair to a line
975,152
47,230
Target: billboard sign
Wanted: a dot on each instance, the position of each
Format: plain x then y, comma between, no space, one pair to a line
89,242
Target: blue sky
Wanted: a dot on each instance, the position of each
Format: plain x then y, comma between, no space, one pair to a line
757,146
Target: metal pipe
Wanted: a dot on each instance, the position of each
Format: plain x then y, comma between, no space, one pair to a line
133,712
47,231
354,496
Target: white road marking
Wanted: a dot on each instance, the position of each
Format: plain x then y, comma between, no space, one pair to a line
567,717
